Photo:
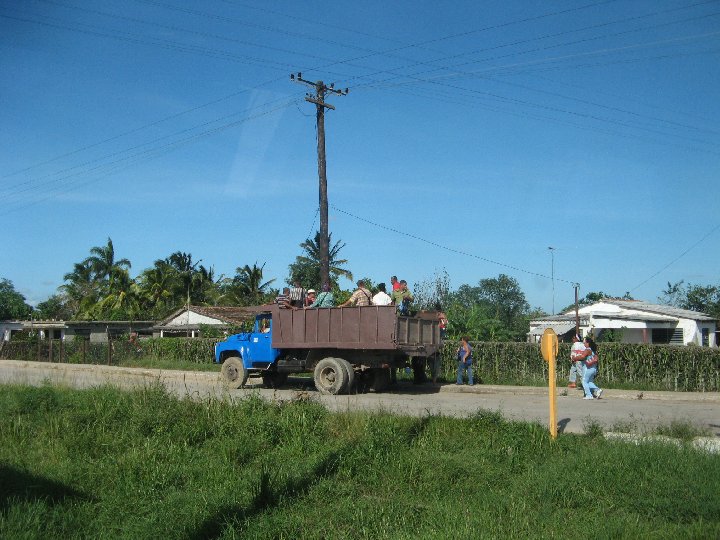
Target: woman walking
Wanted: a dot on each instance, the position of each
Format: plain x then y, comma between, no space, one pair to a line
590,359
464,358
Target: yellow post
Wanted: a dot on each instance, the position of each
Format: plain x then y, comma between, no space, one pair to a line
549,349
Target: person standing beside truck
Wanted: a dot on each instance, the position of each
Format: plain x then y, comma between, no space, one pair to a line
464,359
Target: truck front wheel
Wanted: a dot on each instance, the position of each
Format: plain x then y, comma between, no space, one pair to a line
331,376
233,372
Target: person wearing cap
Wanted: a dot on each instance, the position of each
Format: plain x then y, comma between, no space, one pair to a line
310,297
361,296
577,367
325,299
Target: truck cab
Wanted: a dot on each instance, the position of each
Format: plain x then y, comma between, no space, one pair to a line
248,352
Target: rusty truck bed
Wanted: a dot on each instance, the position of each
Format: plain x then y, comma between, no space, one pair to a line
366,327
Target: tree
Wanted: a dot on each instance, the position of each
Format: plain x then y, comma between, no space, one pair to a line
247,287
702,298
195,283
433,293
103,263
55,307
495,310
12,303
80,289
306,268
156,289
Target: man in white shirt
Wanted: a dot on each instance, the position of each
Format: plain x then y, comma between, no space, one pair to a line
382,298
576,358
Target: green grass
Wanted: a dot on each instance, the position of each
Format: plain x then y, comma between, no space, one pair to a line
103,463
169,363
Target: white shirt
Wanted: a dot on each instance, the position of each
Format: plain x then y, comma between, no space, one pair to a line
576,349
381,299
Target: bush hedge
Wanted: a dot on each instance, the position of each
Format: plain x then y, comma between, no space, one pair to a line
642,367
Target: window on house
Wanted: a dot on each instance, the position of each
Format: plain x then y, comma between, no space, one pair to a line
678,337
671,336
662,335
705,337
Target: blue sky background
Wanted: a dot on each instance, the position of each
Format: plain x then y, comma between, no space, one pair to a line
493,128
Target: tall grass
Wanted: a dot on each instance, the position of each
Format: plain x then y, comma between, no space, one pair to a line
103,463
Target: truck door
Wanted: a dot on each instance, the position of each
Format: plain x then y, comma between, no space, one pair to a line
261,352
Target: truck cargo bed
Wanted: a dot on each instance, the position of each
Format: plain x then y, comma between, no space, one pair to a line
366,327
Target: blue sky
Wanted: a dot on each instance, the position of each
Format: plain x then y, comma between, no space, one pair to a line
496,129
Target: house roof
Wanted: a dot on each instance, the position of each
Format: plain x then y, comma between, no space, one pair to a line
229,315
657,309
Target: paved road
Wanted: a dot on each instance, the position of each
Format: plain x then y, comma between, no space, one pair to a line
617,408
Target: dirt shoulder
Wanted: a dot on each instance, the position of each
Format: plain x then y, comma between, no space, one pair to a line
635,410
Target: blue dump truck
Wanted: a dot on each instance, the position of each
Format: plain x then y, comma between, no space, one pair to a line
346,348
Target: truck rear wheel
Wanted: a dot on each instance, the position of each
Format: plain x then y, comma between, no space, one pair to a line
350,375
233,372
331,376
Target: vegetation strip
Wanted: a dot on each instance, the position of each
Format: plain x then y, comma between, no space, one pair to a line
142,464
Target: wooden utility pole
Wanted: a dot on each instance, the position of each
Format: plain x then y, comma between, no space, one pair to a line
319,100
577,315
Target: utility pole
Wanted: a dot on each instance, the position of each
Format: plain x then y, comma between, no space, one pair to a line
577,312
319,100
552,275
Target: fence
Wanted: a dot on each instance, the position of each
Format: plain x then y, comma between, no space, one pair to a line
111,353
643,367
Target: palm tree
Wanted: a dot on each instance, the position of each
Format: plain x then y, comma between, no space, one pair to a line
306,268
156,286
103,263
247,287
80,289
122,298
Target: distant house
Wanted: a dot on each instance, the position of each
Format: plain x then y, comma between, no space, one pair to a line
94,331
188,321
633,321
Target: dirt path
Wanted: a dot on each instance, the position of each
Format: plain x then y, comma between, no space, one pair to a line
617,408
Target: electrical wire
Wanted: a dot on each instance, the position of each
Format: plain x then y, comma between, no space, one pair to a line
676,259
446,248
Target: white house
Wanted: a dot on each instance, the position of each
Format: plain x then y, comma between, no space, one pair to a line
188,321
633,321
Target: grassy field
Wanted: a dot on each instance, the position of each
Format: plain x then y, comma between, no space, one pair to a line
104,463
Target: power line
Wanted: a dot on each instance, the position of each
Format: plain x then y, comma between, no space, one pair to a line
18,188
446,248
125,162
668,265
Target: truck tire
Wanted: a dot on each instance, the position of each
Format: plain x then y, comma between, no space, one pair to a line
233,372
350,375
331,376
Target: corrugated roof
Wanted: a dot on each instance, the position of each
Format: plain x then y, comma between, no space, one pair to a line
226,314
660,309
